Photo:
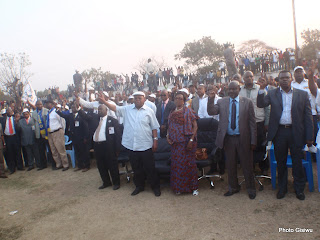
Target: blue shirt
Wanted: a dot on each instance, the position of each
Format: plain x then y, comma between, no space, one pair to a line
236,130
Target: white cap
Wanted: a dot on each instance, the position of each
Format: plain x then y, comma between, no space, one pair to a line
169,90
25,110
3,111
90,88
139,93
112,98
59,105
106,93
184,90
66,107
152,95
298,67
120,102
130,97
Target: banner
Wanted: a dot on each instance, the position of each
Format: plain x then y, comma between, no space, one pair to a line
29,94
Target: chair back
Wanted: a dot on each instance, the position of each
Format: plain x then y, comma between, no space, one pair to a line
207,133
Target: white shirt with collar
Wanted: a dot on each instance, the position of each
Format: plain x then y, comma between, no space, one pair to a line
6,130
304,86
151,105
138,125
102,133
94,105
286,117
55,121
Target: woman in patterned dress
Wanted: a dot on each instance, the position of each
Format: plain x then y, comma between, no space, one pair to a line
182,130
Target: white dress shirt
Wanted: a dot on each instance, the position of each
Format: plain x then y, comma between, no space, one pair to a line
151,105
138,125
102,133
304,86
286,103
6,131
94,105
55,121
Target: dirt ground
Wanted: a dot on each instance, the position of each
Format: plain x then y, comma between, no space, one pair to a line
68,205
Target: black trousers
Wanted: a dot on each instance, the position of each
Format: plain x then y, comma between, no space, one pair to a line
13,153
283,140
33,154
107,162
142,163
41,145
260,151
82,153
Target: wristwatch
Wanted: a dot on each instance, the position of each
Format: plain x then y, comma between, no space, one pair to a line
155,138
191,140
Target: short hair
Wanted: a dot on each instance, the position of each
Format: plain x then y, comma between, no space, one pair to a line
285,71
183,95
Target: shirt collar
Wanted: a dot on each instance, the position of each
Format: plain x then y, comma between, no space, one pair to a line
253,86
143,107
281,90
304,80
166,101
236,98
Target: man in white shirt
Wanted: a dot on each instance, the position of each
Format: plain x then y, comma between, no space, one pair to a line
56,138
140,138
151,77
94,105
106,147
151,105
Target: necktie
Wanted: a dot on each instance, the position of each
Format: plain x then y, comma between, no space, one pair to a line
27,119
233,115
10,126
96,137
162,111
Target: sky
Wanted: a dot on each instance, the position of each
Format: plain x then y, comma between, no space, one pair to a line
61,36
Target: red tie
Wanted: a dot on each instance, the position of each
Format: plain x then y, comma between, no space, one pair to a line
10,126
27,119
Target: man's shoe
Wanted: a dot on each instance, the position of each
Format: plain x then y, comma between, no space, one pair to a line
3,176
230,193
85,169
300,196
281,194
39,169
57,168
137,191
20,169
157,192
252,195
103,186
78,169
11,172
65,169
116,187
30,168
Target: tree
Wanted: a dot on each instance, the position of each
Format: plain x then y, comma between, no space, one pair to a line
14,74
254,46
158,62
311,43
94,75
202,55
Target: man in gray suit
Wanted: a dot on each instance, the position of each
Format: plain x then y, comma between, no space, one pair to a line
27,127
237,134
200,102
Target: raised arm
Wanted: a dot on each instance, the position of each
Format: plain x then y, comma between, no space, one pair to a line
263,100
109,105
311,83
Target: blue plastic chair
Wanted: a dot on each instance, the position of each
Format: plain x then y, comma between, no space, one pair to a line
70,152
307,164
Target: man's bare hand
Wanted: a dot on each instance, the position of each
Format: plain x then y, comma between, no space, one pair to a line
263,83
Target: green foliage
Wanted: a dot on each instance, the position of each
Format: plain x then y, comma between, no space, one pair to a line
204,54
311,43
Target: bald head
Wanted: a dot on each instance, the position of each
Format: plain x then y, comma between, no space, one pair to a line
248,79
236,77
102,110
164,95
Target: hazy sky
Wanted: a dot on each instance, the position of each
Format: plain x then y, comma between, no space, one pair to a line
61,36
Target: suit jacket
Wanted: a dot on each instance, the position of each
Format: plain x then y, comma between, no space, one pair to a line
3,122
168,109
78,127
247,120
92,120
195,103
35,116
113,140
27,133
302,123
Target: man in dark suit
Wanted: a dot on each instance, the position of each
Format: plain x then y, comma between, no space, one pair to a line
164,109
237,135
107,142
13,153
290,126
79,133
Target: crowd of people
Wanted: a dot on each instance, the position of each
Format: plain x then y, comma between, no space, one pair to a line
250,112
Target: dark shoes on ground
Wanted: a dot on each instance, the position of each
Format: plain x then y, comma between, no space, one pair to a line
116,187
103,186
3,176
157,192
300,196
78,169
230,193
85,169
30,168
65,169
281,194
55,168
252,195
137,191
